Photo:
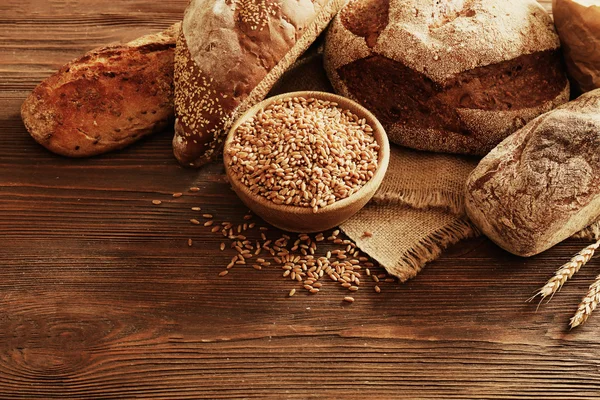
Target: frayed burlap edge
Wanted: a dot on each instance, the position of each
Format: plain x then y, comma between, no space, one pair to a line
425,250
430,248
450,201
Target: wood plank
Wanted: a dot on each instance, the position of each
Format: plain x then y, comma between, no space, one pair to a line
101,297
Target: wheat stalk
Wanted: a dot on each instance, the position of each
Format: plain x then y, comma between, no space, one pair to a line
566,271
588,304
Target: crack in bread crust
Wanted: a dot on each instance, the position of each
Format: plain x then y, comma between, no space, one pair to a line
408,100
454,76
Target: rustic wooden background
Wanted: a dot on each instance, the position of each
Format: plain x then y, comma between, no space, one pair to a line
101,297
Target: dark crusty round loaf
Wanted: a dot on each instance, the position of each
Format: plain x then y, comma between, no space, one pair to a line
541,184
578,25
105,100
453,76
229,54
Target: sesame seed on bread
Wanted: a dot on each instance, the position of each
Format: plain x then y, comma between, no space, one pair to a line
229,54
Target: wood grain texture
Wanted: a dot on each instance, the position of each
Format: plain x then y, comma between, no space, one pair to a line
101,297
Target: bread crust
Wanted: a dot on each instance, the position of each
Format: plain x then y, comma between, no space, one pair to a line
459,35
106,99
540,185
442,42
491,128
229,54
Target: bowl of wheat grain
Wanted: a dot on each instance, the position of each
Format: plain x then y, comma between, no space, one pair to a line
306,161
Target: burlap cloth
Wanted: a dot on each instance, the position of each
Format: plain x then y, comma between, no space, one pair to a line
418,211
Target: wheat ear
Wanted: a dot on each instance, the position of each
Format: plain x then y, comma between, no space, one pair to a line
588,304
567,271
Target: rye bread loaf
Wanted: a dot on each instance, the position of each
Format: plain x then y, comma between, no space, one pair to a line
107,99
228,56
542,184
453,76
578,25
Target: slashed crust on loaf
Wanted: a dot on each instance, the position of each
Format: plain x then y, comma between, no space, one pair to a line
458,35
446,44
491,126
229,54
105,100
541,184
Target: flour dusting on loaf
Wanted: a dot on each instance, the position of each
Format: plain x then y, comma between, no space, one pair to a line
458,35
541,185
451,76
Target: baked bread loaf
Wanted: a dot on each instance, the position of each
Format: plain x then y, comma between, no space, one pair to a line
228,56
105,100
454,76
578,25
542,184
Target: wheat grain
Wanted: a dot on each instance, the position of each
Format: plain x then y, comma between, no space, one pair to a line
566,271
341,265
587,305
306,153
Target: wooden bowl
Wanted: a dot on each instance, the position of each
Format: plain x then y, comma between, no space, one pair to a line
303,219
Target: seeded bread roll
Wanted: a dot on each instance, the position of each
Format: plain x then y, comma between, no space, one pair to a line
542,184
452,76
105,100
228,56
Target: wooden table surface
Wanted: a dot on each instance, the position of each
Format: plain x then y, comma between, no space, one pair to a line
101,297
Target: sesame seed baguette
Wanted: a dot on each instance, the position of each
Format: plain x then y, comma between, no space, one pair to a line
228,56
106,99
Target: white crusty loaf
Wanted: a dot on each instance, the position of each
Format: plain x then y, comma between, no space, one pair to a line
542,184
229,54
451,76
